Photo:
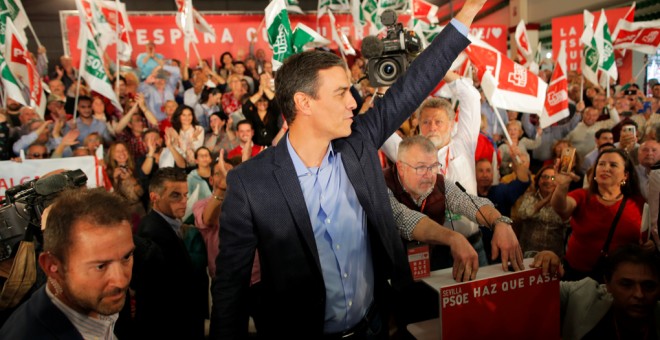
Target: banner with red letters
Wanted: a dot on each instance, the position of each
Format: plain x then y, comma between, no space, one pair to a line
233,33
569,29
14,173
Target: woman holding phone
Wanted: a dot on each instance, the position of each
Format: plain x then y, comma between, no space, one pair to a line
592,212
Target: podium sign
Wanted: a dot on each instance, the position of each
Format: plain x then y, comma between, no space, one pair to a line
512,305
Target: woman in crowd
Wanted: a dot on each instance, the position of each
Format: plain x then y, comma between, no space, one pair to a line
98,109
187,132
221,137
123,177
540,226
592,212
209,101
199,178
557,151
226,64
262,112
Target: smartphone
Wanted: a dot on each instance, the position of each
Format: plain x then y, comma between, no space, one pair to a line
567,159
631,92
629,129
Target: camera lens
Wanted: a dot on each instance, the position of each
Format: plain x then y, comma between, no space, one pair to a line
388,70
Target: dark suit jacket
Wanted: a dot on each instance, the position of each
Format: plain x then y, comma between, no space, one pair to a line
39,318
265,209
182,297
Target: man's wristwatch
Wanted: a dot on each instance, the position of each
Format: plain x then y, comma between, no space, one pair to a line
502,219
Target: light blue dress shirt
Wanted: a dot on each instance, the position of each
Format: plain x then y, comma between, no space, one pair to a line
340,229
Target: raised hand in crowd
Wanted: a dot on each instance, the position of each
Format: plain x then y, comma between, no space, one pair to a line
68,140
580,106
247,151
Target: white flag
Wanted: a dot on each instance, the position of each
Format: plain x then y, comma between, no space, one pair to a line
339,37
556,98
9,82
20,63
185,21
92,70
606,62
590,56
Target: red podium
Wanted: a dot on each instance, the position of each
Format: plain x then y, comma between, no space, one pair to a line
520,305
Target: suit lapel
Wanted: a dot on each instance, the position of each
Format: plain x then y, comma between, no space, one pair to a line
285,174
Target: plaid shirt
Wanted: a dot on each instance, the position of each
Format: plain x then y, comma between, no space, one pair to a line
135,144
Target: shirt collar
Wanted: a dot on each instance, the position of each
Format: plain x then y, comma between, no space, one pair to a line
299,165
174,223
102,326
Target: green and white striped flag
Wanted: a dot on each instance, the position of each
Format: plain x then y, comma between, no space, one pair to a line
590,55
371,15
4,14
17,14
9,82
395,5
304,35
335,5
279,32
293,6
604,44
92,70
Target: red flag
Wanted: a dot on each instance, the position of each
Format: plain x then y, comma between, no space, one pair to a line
20,62
425,10
507,85
524,50
639,36
629,17
556,100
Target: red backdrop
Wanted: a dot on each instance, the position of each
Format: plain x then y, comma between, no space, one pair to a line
569,28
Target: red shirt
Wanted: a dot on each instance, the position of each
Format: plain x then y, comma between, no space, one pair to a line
238,151
591,222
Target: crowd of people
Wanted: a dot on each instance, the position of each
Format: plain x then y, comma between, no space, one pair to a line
309,185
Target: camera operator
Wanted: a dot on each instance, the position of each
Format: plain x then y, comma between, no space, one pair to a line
88,258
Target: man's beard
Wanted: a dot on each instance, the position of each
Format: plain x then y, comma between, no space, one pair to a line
438,140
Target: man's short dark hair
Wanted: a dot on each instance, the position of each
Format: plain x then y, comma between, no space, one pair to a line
244,122
221,115
164,175
96,206
150,130
300,73
601,132
84,98
632,253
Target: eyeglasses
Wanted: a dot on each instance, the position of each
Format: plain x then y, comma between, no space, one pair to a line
38,155
552,178
423,169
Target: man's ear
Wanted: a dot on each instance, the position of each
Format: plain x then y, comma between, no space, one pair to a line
153,197
51,265
303,103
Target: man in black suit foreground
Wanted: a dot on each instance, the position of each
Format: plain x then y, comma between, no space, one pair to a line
184,295
316,206
88,257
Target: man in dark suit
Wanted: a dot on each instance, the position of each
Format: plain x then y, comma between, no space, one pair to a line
183,295
316,206
88,257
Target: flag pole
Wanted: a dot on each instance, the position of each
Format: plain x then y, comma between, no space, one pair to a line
581,87
641,70
117,46
199,59
81,67
499,119
34,33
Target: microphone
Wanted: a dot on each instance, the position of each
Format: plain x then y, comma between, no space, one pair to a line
58,182
474,203
372,47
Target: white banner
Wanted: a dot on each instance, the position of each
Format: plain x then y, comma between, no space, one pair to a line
14,173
